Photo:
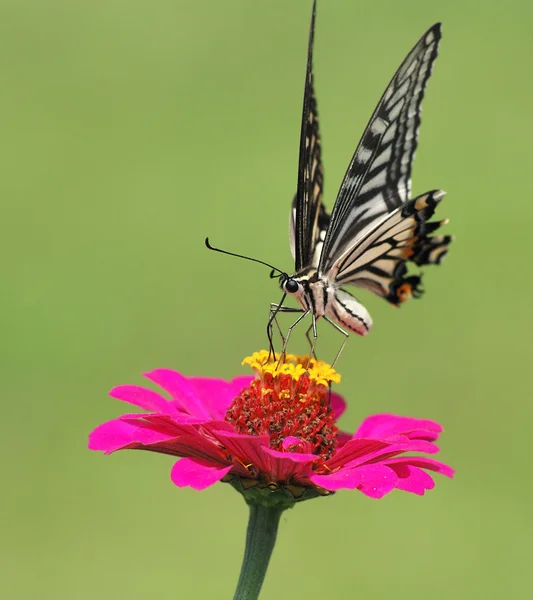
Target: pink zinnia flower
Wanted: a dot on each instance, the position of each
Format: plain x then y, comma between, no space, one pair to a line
272,432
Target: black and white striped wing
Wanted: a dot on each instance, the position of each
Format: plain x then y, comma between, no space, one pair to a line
307,206
378,178
379,261
319,232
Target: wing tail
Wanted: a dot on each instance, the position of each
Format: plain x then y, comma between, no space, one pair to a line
427,249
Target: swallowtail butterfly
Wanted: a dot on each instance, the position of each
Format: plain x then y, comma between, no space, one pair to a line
375,229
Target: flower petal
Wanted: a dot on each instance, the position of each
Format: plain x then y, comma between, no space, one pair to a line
244,449
192,446
422,446
342,438
423,463
344,479
295,444
373,480
239,383
385,424
181,391
357,451
118,434
412,479
165,423
338,405
197,473
218,394
284,466
376,480
147,399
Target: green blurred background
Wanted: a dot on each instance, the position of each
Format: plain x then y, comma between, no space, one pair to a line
130,131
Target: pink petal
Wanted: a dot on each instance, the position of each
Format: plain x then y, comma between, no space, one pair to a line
170,429
344,479
412,479
422,446
197,473
244,449
164,423
291,441
284,466
396,445
192,446
376,480
423,463
241,382
142,397
181,391
118,434
384,425
295,457
218,394
295,444
357,451
342,438
214,427
373,480
338,405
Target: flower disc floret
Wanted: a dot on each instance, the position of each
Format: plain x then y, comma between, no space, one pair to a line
291,364
282,407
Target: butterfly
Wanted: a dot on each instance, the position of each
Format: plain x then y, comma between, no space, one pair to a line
374,229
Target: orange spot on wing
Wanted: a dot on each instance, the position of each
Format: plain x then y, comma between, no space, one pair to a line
408,250
421,203
405,291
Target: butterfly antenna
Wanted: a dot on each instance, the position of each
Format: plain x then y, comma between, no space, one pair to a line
261,262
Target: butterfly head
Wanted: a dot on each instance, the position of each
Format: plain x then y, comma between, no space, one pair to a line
289,285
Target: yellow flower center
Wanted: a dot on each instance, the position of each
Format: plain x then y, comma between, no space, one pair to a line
318,371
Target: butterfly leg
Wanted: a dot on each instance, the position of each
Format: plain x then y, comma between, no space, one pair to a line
272,320
273,313
289,331
344,333
312,343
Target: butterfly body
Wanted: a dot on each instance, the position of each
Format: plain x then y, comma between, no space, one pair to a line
321,298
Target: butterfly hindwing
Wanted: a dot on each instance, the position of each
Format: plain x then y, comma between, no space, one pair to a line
378,178
378,261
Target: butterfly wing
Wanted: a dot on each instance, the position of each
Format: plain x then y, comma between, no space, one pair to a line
378,261
318,236
378,177
307,206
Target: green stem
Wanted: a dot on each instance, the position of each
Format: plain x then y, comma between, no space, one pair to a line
260,539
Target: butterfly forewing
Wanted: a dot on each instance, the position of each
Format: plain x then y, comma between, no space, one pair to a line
378,178
305,214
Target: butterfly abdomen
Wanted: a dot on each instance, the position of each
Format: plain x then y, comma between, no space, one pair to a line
348,312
